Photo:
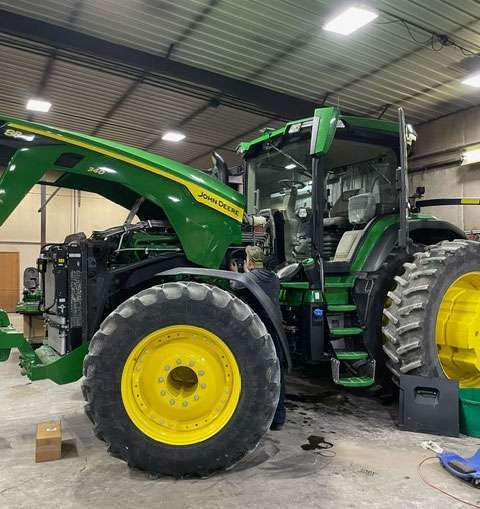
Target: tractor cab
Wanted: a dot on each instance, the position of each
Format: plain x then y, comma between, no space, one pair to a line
358,183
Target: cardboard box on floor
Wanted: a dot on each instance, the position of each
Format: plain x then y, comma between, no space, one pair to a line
48,446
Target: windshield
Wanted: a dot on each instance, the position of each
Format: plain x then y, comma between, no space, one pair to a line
352,168
279,187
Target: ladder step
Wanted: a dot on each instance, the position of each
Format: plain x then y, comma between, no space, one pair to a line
341,308
345,355
346,331
339,284
356,381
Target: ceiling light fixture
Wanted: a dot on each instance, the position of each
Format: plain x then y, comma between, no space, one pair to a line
174,136
39,105
350,20
473,80
471,156
290,166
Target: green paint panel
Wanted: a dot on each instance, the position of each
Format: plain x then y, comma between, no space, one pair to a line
304,285
205,233
64,370
341,308
364,123
356,381
323,130
345,355
348,282
346,331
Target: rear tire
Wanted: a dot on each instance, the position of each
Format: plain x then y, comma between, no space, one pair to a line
411,329
189,306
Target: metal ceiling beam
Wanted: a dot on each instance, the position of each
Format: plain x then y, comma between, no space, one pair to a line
396,60
297,43
193,25
223,146
47,71
128,92
214,102
279,104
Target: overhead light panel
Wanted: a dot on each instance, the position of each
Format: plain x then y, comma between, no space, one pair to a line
290,166
471,156
473,80
38,105
350,20
174,136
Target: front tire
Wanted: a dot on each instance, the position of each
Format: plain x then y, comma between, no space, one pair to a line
181,379
433,324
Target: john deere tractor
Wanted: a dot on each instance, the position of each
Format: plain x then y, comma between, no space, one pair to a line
181,373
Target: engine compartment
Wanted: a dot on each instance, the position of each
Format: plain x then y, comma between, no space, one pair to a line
83,279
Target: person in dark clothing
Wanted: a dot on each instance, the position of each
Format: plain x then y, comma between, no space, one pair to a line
270,284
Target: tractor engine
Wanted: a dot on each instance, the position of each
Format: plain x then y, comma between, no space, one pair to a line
84,278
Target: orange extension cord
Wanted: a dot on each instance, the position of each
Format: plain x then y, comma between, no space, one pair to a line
428,483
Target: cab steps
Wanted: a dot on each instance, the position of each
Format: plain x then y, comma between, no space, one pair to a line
343,373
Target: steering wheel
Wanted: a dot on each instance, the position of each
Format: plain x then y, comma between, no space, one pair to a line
291,183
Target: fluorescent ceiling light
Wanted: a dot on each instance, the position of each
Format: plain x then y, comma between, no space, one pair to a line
290,166
350,20
38,105
471,156
173,136
473,80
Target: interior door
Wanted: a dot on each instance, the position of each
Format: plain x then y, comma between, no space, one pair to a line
9,280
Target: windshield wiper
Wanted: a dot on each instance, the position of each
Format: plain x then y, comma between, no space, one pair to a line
290,158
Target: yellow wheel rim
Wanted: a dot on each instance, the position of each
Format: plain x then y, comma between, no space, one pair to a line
181,385
458,330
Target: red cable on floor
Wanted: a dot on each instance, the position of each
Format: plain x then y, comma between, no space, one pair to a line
428,483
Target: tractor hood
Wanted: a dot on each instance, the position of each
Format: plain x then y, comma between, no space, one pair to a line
205,213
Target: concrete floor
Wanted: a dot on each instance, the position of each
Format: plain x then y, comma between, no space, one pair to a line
371,464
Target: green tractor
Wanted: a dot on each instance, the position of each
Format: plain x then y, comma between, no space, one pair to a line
182,373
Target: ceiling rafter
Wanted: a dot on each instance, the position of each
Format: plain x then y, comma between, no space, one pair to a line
47,71
395,61
116,105
224,145
277,103
193,26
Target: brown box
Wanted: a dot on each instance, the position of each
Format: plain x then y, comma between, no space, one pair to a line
48,445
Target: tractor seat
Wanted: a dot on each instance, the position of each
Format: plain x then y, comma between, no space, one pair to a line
338,215
361,209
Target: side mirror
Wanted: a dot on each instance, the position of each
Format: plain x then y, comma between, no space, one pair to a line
219,168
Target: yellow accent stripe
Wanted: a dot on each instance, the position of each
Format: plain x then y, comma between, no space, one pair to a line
200,194
470,201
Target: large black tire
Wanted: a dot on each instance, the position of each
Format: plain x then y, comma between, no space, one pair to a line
410,341
383,281
192,304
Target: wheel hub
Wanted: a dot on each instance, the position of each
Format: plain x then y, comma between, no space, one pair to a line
181,385
458,330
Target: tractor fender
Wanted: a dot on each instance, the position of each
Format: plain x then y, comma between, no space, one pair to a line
270,311
421,232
